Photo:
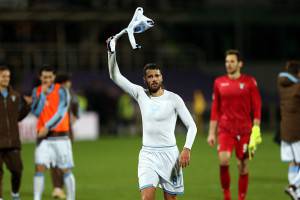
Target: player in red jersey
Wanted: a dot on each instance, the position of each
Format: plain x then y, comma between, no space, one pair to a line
235,111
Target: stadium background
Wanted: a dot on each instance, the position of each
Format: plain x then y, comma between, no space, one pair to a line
188,40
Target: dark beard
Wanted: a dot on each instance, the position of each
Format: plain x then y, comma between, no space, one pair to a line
153,90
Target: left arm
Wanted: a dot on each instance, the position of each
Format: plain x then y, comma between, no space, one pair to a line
256,103
255,137
188,121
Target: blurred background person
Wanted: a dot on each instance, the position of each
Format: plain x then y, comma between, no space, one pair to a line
199,106
236,109
126,115
65,80
13,108
289,93
51,107
56,173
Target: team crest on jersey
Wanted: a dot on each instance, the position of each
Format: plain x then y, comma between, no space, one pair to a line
13,98
242,86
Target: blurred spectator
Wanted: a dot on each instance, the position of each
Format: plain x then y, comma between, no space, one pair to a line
289,94
126,118
83,102
56,173
14,109
199,106
103,100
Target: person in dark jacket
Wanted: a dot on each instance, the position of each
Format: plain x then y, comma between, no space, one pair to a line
289,93
13,108
56,173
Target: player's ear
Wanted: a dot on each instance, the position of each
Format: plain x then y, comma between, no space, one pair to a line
241,64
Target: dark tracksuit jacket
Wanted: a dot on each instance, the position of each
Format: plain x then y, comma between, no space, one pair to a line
289,94
13,108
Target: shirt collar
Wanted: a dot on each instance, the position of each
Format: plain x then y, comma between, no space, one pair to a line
4,93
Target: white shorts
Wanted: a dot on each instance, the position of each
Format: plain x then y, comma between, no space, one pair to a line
160,167
290,152
55,152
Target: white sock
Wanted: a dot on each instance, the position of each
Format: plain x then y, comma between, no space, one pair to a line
14,195
293,171
298,192
38,185
69,181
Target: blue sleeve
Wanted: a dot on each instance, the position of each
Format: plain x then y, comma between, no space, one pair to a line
289,76
61,111
37,103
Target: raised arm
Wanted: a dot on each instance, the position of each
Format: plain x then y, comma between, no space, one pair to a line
117,77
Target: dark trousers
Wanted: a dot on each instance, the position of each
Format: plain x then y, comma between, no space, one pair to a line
57,177
13,162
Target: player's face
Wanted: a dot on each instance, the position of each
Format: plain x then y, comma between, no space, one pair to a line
47,78
68,84
4,78
232,64
153,79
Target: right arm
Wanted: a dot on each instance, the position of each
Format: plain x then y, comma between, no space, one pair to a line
37,102
214,115
118,78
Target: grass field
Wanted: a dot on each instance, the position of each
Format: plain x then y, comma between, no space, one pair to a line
107,169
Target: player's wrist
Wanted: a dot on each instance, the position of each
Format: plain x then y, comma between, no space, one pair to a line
211,134
255,128
186,149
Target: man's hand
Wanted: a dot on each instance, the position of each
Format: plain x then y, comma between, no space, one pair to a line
44,88
42,132
111,44
211,139
255,139
185,157
28,99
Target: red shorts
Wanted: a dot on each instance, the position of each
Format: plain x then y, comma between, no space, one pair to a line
228,142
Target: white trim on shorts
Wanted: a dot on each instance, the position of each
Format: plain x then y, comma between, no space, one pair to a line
290,151
154,169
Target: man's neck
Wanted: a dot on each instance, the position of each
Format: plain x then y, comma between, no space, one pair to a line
2,88
158,93
234,76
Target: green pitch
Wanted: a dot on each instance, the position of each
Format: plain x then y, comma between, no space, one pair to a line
107,169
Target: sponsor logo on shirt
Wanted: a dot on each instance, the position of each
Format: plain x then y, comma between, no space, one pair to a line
154,108
224,84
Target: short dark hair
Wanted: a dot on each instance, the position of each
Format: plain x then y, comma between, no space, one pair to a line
293,66
234,52
62,78
4,67
151,66
47,68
